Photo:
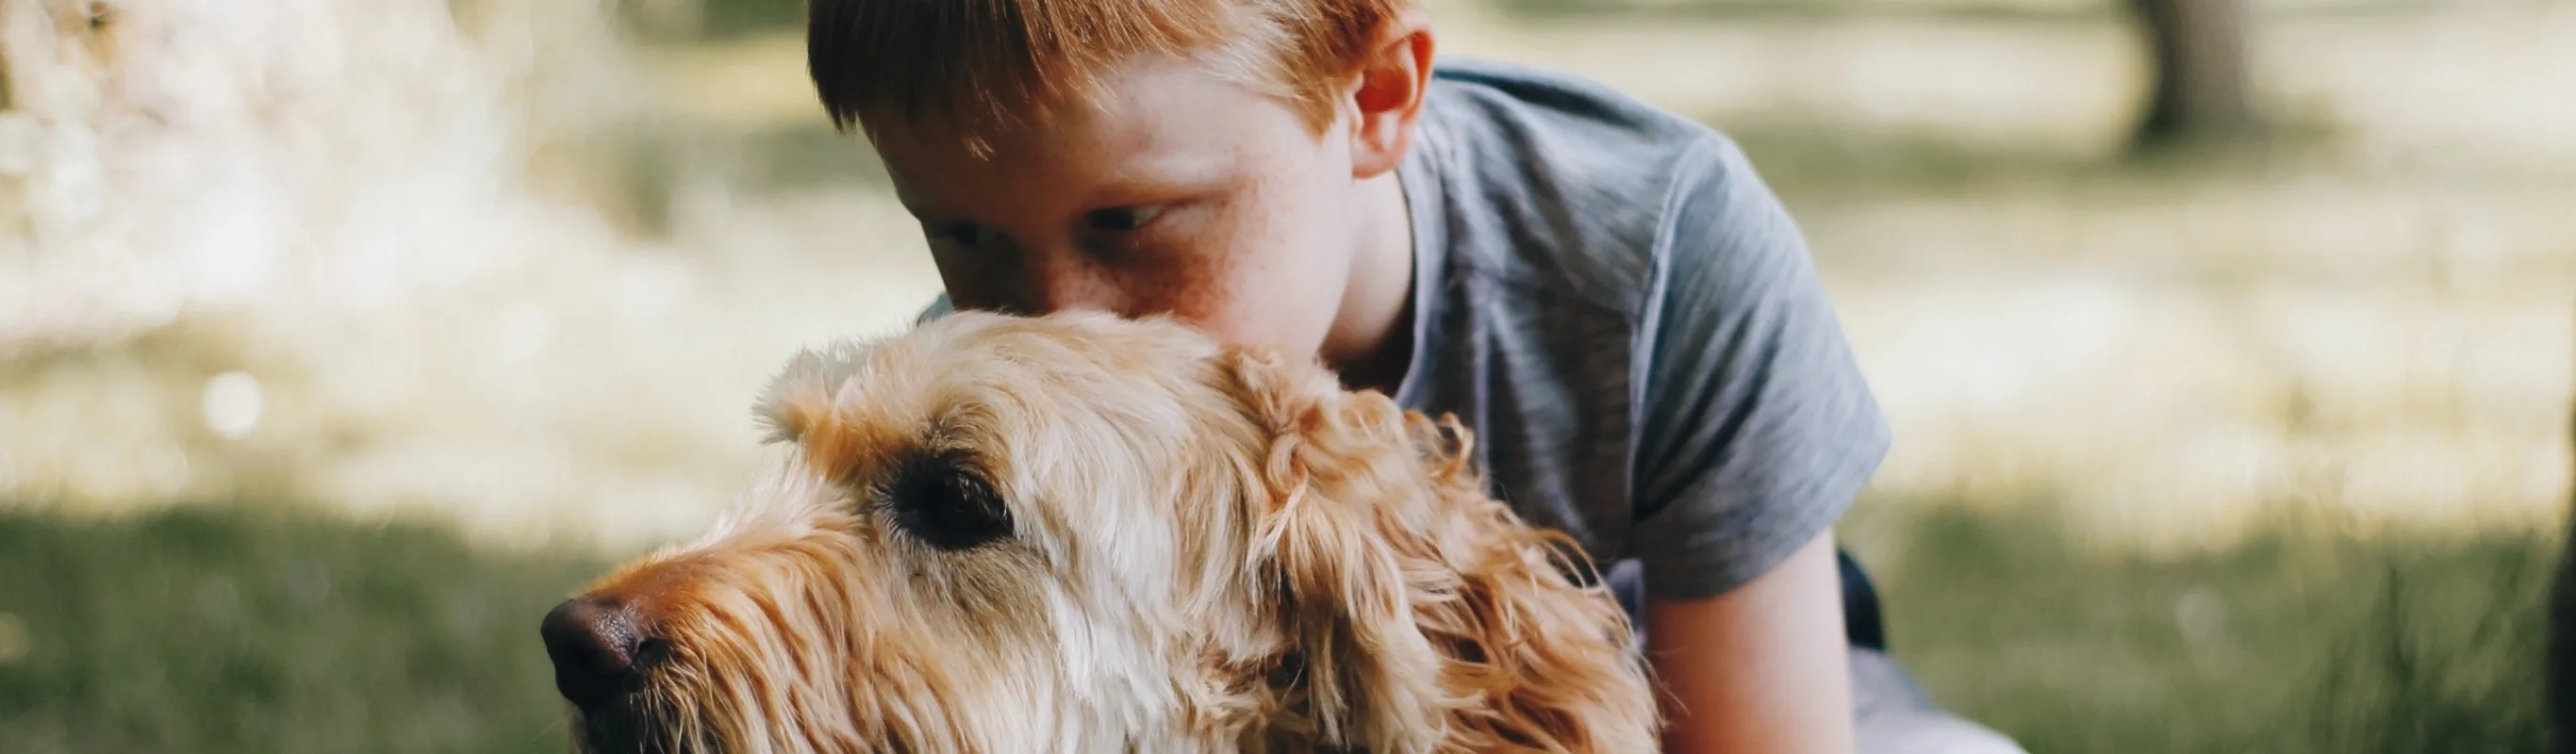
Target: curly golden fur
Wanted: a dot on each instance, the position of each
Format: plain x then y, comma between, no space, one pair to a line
1081,533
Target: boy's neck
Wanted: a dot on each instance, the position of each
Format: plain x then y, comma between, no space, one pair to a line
1371,344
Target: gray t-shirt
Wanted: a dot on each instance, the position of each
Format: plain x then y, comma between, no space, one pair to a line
1629,320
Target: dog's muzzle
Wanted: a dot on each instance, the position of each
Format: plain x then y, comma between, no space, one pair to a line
603,658
600,651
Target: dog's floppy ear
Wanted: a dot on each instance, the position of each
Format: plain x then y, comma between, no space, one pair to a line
1426,615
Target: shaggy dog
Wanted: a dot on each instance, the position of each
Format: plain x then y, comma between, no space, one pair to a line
1082,533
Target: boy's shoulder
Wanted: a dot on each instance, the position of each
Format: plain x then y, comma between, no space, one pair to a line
1559,181
1696,407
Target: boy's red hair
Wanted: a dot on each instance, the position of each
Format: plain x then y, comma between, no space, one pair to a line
982,66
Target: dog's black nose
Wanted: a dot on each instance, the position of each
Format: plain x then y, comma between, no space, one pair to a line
597,648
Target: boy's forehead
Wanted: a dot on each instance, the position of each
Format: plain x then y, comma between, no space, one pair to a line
1150,101
1159,121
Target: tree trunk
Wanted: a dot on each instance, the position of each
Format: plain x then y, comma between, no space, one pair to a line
2201,84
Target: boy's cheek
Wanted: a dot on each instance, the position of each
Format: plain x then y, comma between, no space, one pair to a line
970,286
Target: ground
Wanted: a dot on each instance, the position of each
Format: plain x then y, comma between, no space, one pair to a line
244,628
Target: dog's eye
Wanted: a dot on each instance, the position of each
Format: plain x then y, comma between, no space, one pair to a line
948,505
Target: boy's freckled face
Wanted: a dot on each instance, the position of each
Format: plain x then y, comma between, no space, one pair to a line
1178,193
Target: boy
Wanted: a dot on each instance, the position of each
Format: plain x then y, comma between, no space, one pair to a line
1606,293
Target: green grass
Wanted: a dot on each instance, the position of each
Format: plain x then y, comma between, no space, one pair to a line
232,630
2296,641
204,630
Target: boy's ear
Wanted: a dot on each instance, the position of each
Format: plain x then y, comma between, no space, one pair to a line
1387,93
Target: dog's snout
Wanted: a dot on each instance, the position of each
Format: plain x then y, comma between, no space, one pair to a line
598,648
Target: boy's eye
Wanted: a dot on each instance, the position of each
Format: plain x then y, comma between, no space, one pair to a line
967,234
1121,219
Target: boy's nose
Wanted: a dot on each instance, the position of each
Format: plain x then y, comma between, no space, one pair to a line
1058,280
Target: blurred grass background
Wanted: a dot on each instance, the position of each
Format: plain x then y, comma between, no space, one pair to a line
217,629
328,364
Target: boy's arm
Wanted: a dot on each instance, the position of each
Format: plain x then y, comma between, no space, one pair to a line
1759,432
1761,667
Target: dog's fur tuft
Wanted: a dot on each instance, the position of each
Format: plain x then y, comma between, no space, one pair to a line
1431,617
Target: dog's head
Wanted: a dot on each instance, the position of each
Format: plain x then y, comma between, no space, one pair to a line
1077,532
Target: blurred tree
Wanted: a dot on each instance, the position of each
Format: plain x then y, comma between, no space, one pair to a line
2201,84
2561,662
711,20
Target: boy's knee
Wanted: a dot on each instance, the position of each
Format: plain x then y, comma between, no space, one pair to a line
1894,716
1931,733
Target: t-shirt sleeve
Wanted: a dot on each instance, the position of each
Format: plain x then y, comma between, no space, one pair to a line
1759,427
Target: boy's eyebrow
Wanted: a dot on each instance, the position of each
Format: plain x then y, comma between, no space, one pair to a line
920,207
1151,178
1138,181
